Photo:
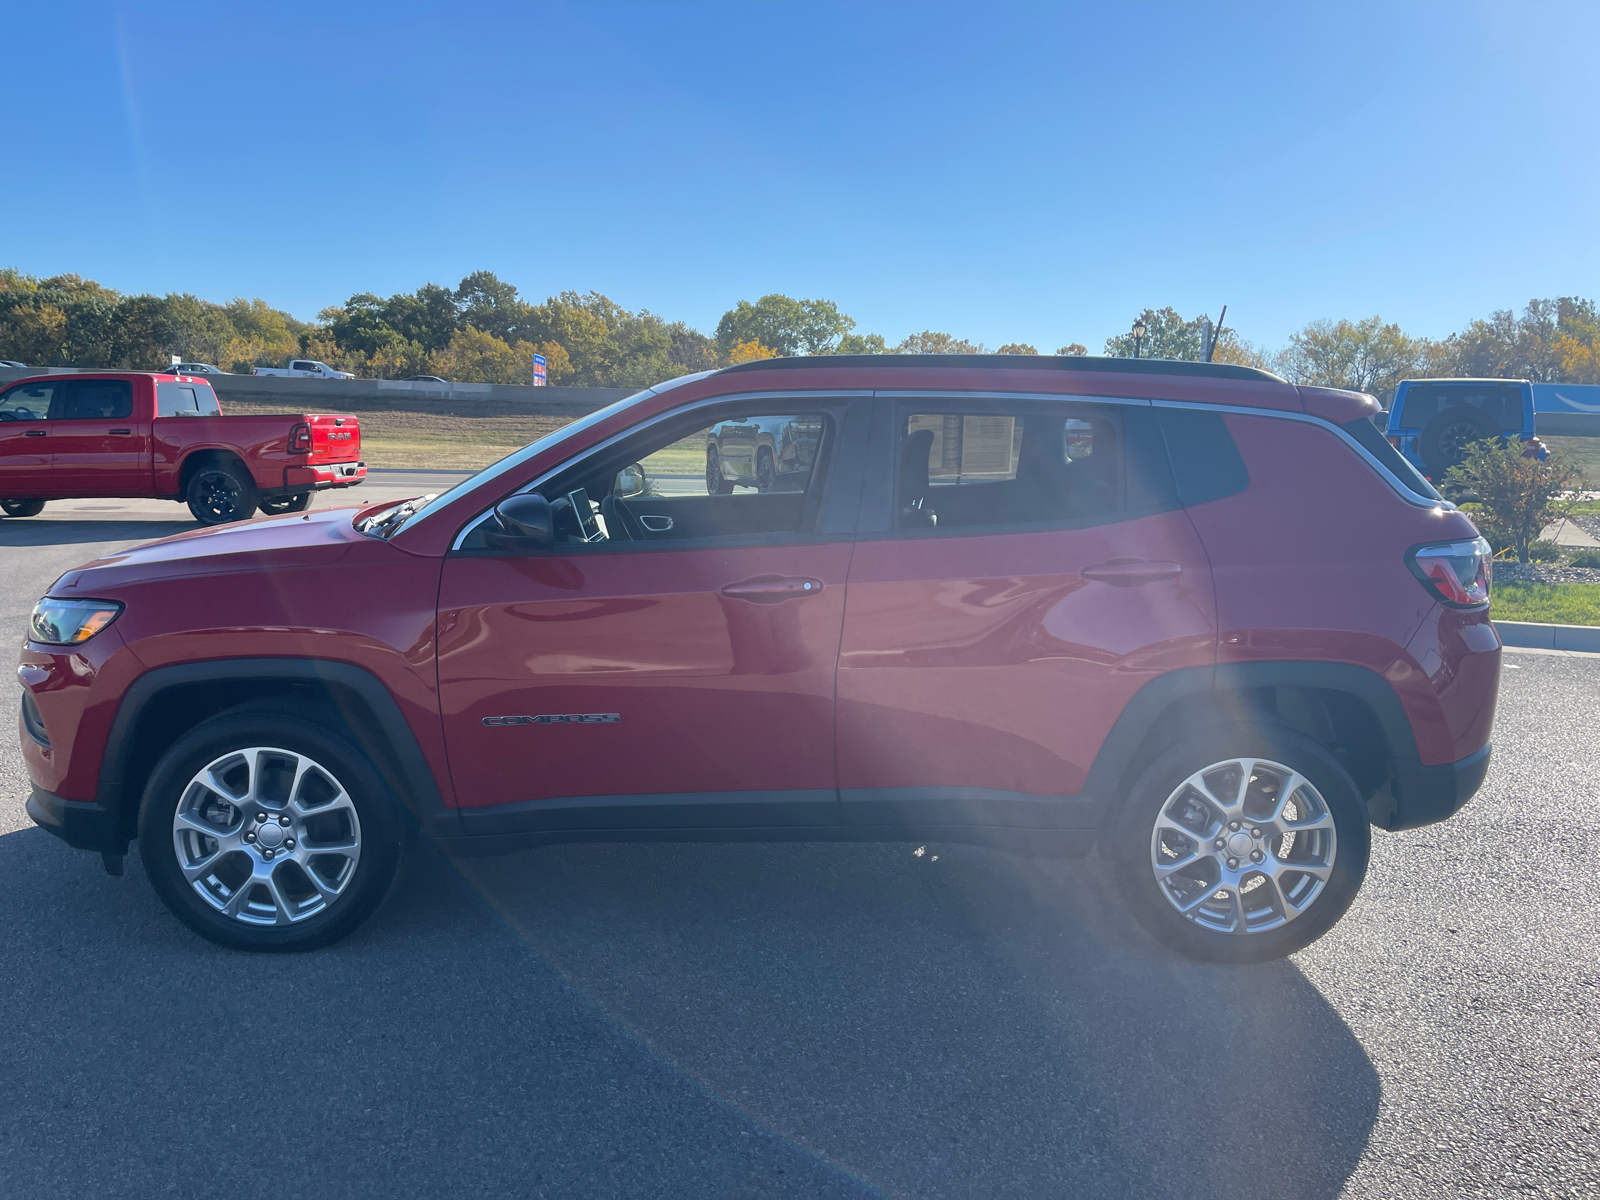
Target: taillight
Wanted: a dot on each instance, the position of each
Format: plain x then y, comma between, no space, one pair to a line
1457,573
300,439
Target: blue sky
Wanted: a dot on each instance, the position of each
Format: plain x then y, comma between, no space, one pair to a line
1024,172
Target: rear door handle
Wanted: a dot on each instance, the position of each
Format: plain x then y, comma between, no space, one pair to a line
122,431
770,589
36,433
1131,572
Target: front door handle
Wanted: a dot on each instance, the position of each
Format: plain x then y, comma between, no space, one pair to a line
36,433
655,523
1131,572
124,432
770,589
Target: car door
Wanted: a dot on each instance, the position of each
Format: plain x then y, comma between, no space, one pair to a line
96,446
1022,568
679,676
25,439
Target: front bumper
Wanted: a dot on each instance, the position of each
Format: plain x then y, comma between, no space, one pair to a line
83,824
1420,795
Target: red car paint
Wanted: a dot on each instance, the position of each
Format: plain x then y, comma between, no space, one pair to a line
921,683
143,455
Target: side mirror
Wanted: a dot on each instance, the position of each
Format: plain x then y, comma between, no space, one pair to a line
630,482
524,523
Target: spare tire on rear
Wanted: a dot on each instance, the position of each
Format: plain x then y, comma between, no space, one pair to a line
1444,440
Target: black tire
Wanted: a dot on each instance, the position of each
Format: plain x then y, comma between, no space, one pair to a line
766,471
1133,847
22,508
274,506
379,832
1444,440
716,485
221,492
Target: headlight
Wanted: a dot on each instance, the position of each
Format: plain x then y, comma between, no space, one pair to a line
70,622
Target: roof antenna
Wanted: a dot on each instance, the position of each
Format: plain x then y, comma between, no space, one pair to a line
1216,332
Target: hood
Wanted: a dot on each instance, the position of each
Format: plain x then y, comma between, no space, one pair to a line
264,544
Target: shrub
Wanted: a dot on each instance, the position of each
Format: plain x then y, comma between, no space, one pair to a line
1517,497
1587,558
1543,551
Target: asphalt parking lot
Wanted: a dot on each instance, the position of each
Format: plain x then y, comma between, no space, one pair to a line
812,1020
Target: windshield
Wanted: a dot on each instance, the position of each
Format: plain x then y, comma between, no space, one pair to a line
387,521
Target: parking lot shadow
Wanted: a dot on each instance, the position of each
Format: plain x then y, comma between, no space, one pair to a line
26,532
665,1019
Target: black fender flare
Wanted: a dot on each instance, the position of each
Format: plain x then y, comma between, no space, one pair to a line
380,731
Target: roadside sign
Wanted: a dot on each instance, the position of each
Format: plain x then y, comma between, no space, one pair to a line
538,370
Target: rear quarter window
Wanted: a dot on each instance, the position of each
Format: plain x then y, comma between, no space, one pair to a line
1206,463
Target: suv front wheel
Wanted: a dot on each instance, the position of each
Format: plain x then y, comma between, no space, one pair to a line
1242,845
263,831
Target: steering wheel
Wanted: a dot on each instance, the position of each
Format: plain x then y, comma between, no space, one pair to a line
19,414
621,524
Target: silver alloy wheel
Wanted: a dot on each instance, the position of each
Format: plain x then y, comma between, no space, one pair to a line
267,836
1243,846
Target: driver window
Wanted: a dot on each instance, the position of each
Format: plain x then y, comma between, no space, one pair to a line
30,402
740,476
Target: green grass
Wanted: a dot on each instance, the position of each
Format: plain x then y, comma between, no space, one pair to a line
1585,451
1552,603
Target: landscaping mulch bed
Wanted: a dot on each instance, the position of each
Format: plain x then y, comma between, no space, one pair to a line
1515,572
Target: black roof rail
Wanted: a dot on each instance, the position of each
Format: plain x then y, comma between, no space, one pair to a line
1035,362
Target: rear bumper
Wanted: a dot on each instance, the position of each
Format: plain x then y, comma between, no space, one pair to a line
1420,795
82,824
315,479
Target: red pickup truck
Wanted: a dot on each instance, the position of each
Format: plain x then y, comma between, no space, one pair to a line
119,433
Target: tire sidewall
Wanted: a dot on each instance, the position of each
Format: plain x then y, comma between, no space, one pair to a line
381,829
1433,454
22,508
246,489
1131,833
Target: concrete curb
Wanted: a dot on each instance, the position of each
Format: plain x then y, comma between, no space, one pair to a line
1536,636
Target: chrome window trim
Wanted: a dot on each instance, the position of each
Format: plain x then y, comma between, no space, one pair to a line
670,414
991,394
1413,498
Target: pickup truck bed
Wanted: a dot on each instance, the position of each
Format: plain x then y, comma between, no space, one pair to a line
141,434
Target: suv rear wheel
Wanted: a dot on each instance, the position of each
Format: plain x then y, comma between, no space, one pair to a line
1241,845
263,831
1444,440
22,508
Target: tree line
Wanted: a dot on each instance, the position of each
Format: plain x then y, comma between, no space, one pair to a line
484,331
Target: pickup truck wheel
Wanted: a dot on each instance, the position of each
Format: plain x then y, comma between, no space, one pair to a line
716,485
1444,440
22,508
274,506
220,492
263,831
1241,845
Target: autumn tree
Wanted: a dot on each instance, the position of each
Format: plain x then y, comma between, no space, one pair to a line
1362,356
1074,350
1016,348
929,342
786,325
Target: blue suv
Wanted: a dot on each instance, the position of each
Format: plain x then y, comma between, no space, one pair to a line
1433,421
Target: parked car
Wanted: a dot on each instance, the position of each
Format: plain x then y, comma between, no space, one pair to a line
111,433
426,379
1433,421
1032,604
766,453
303,368
194,369
13,364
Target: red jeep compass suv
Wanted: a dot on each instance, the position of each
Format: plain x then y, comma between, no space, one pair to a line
1208,620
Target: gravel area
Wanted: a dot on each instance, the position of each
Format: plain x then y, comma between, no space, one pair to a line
1514,572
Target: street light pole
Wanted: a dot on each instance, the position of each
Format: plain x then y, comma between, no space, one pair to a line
1138,336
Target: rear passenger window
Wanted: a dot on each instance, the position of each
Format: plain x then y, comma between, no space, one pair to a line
92,399
1425,401
1031,465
